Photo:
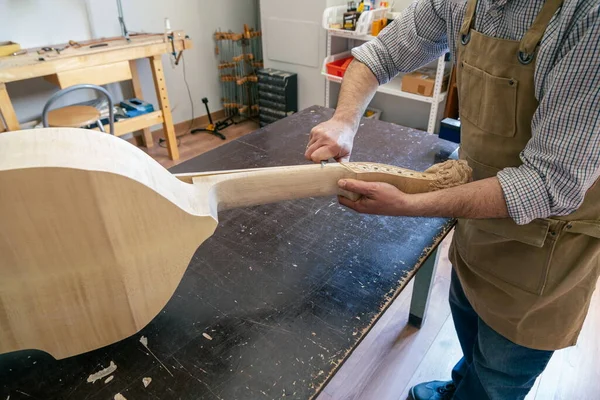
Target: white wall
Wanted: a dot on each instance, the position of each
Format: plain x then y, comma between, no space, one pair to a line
42,22
305,15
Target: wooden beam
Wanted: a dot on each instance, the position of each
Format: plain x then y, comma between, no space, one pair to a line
15,70
7,110
163,101
137,91
98,75
129,125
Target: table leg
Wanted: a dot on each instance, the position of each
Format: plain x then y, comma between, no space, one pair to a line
137,91
163,101
7,110
422,290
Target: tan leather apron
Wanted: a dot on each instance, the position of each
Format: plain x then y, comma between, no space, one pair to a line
531,283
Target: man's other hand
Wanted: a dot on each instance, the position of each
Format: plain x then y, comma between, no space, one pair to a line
376,198
330,139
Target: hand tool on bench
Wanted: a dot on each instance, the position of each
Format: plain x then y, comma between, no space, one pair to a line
96,235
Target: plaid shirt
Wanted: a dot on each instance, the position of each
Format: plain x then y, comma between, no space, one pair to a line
562,159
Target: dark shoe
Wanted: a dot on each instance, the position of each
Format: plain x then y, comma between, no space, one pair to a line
434,390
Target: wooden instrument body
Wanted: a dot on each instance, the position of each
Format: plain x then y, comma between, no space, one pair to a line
96,235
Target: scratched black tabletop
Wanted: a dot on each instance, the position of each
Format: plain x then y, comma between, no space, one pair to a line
271,304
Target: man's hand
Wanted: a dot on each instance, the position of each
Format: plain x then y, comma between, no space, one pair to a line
480,199
330,139
376,198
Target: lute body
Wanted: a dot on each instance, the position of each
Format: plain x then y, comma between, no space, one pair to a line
96,235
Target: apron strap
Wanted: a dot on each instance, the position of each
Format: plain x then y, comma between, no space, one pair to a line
469,19
533,36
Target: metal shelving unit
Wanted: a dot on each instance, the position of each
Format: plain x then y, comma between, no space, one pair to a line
394,87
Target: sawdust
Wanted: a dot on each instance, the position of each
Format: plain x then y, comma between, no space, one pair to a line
119,396
146,381
102,373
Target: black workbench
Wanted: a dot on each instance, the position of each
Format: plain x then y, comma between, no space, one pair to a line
275,300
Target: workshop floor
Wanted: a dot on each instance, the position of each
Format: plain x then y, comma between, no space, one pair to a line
395,356
192,145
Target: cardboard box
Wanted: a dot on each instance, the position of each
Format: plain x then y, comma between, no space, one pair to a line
422,82
7,48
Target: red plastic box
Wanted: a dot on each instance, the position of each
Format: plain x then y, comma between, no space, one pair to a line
338,67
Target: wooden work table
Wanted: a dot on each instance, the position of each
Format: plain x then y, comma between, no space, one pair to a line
113,62
277,299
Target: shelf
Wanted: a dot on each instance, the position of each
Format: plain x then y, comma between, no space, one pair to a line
363,25
349,35
394,88
128,125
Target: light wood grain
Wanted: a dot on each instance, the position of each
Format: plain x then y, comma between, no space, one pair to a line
96,75
96,235
28,66
138,92
193,145
6,109
73,116
128,125
160,85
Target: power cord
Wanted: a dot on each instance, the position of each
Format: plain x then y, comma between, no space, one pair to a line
161,141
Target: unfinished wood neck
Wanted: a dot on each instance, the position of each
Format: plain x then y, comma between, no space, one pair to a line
251,187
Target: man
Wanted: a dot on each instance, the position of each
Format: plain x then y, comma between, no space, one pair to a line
525,251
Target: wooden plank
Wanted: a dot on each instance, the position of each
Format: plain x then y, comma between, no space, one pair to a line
137,90
163,101
53,79
129,125
439,360
17,69
193,145
97,75
7,110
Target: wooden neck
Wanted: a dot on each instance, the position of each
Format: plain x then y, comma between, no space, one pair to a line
242,188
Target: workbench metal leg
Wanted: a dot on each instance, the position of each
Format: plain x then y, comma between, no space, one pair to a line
422,289
8,112
137,91
163,101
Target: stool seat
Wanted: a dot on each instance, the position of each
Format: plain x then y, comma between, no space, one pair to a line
73,116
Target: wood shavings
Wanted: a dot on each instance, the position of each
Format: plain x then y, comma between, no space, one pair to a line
119,396
102,373
146,381
207,336
110,378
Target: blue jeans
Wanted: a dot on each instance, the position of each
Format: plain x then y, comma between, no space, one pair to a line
492,366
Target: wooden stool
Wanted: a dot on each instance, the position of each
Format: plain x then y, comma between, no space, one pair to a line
77,116
73,116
